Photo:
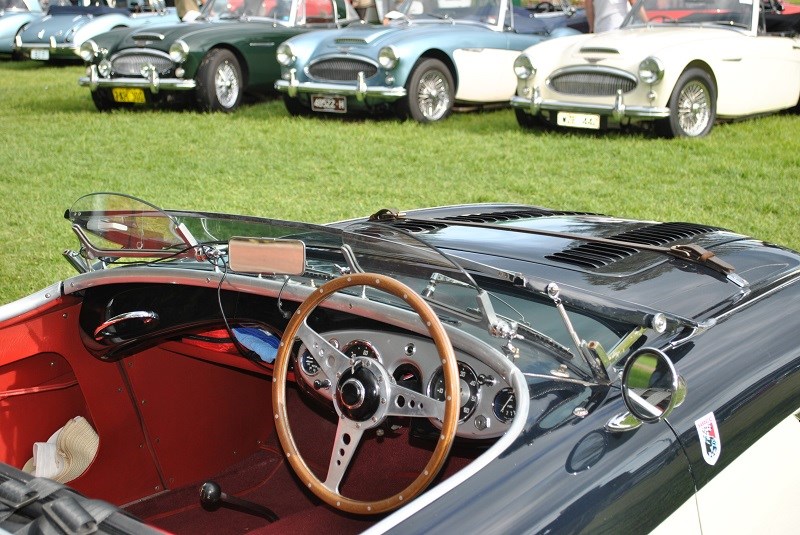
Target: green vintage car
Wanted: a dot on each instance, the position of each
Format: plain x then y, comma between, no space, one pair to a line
229,51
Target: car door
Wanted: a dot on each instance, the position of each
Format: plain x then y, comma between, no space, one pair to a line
758,74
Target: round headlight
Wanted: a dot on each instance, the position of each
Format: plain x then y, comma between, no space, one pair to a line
387,57
285,55
179,51
523,67
88,50
651,70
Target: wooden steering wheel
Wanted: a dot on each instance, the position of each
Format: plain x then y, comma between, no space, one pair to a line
365,394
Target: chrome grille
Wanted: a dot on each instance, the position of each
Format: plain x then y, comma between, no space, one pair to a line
131,64
341,69
592,84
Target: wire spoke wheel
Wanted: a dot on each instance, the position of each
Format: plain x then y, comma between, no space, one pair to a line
220,84
430,92
226,84
693,108
433,95
692,105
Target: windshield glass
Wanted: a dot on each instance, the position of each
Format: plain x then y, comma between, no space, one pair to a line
480,11
289,12
732,13
18,5
122,229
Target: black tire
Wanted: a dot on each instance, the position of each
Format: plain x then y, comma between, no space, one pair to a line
294,107
103,100
531,122
692,105
219,82
16,55
430,92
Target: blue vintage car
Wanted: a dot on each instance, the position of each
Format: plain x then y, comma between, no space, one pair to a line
59,34
14,15
427,57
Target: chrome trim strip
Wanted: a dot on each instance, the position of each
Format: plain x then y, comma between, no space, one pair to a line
592,70
30,302
789,279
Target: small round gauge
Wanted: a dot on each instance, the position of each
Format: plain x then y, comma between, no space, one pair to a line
308,363
505,405
468,388
360,348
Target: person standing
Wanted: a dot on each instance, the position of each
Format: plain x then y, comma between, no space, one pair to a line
606,15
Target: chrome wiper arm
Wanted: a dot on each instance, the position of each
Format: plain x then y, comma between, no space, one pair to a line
595,364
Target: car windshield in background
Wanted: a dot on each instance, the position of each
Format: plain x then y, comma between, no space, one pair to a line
732,13
12,5
236,9
483,11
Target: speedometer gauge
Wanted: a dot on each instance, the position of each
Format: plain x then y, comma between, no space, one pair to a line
468,384
360,348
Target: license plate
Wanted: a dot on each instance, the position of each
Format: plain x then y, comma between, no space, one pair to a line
41,54
329,104
131,95
579,120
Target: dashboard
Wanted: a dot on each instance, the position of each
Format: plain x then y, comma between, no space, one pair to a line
487,404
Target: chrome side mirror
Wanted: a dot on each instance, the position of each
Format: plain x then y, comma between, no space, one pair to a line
651,389
267,256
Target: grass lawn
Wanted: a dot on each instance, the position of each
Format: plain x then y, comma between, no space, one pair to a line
56,147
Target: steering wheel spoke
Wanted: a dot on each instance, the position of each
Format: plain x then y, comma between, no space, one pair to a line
406,402
348,436
331,361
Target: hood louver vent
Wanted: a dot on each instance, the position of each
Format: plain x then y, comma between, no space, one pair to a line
499,217
598,50
596,255
414,226
350,41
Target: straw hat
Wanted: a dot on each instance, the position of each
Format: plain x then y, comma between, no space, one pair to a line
76,446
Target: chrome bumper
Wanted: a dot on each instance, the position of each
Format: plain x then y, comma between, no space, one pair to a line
618,110
360,90
152,82
57,50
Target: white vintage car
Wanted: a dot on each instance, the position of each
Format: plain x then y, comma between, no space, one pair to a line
675,65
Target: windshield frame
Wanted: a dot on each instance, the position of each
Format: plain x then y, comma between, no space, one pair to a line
485,13
693,13
287,13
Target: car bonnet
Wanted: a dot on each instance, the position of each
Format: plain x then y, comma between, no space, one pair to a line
507,239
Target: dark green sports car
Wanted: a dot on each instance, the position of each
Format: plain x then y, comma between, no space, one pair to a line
212,62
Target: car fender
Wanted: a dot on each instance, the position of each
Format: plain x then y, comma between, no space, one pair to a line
10,25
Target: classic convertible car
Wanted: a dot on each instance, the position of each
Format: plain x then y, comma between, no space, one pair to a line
61,32
15,15
213,62
430,56
676,66
487,368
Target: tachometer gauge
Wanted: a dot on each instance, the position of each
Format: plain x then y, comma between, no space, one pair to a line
468,387
360,348
504,405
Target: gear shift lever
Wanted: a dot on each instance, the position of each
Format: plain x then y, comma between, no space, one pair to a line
211,497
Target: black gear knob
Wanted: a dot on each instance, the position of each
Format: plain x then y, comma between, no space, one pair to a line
211,497
211,494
